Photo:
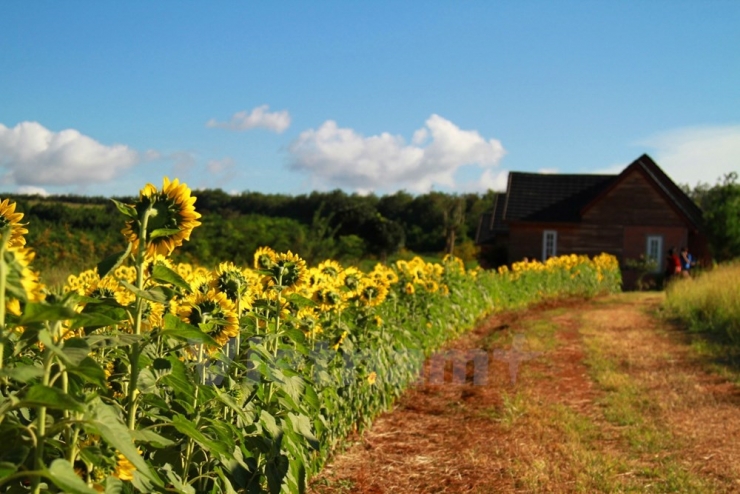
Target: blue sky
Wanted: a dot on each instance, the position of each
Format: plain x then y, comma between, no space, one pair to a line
100,98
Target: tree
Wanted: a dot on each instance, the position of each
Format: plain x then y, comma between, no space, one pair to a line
721,205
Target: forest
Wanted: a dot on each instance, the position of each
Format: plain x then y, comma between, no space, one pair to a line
68,232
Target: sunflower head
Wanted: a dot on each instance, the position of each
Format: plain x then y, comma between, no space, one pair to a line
9,218
171,217
330,268
288,271
230,280
214,313
264,258
372,292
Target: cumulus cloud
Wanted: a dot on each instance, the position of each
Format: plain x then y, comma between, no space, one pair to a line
31,154
259,117
32,190
697,154
341,157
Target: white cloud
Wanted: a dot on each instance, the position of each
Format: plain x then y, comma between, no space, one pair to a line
341,157
32,190
548,171
220,166
259,117
494,181
33,155
697,154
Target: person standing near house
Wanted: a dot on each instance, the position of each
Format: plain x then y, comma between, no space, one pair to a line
672,264
687,261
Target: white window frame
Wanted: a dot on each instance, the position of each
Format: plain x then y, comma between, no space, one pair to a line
546,235
657,240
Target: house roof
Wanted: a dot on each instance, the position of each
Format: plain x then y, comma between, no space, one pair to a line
544,197
561,198
665,185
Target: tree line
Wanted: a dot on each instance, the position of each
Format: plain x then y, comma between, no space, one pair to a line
75,231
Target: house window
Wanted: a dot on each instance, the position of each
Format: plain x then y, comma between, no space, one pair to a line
654,251
549,244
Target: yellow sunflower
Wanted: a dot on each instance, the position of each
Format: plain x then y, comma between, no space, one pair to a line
264,258
288,271
21,276
171,209
230,280
8,216
214,310
372,292
331,269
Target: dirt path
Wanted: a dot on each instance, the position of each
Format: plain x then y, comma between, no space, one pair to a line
602,396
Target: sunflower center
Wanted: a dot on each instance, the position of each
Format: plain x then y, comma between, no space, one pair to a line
164,214
203,312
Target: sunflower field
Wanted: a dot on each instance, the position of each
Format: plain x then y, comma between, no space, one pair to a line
143,375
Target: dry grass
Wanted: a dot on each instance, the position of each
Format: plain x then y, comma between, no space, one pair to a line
709,302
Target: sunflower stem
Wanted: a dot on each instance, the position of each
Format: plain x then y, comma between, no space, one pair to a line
136,348
3,281
38,460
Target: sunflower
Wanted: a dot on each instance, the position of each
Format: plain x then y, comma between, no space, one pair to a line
21,276
264,258
409,289
288,271
329,299
308,321
215,311
230,280
8,216
372,292
331,269
352,278
171,209
124,468
109,288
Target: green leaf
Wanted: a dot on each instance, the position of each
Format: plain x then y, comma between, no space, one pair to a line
163,274
311,398
39,395
113,485
189,428
174,327
126,209
110,427
151,437
74,351
23,373
302,425
113,261
7,468
178,379
162,232
42,312
150,295
109,341
300,301
63,476
90,371
100,314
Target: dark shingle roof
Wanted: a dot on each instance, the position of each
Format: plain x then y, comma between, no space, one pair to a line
541,197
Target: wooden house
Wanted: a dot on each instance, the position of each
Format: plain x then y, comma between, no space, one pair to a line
638,213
